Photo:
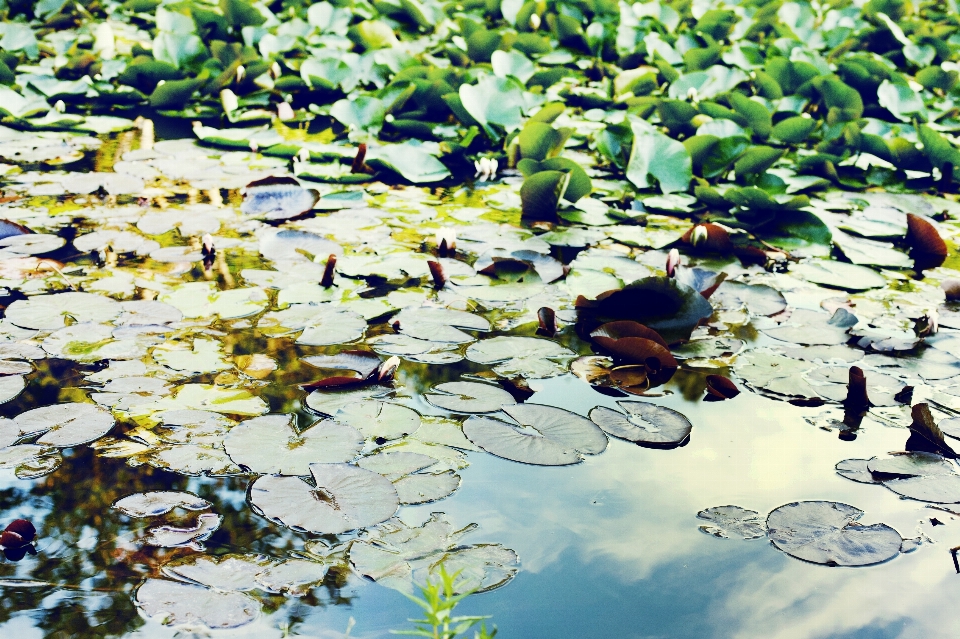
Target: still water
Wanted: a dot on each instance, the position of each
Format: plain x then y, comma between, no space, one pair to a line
609,547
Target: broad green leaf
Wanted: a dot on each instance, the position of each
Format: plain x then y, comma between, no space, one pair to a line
657,155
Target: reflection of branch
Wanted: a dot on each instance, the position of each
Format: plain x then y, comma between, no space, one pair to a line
33,583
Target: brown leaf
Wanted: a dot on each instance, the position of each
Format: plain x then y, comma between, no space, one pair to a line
923,238
929,434
548,321
658,361
625,328
708,237
721,387
327,280
856,390
439,277
632,379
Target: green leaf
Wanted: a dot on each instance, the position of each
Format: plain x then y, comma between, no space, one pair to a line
411,160
794,130
756,160
175,94
756,115
579,185
512,63
657,155
364,113
902,101
538,141
541,193
494,100
373,34
938,148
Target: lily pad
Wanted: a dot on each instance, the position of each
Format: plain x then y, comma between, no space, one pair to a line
469,397
50,312
644,423
66,425
547,436
159,502
732,521
345,498
177,603
272,445
529,357
828,532
376,419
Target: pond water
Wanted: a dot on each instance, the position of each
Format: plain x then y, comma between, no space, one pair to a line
609,546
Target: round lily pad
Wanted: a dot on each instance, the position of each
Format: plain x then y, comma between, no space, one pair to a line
271,445
921,476
345,498
552,437
732,521
469,397
234,572
528,357
66,425
847,277
643,423
828,532
379,419
50,312
174,602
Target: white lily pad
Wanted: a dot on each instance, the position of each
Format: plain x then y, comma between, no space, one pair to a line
175,537
66,425
50,312
272,445
644,423
552,437
380,419
469,397
828,532
528,357
175,603
159,502
321,324
345,498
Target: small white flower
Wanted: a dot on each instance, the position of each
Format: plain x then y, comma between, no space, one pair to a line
486,169
275,69
207,244
240,73
229,101
446,234
303,155
699,235
692,94
534,21
285,111
59,107
673,261
254,146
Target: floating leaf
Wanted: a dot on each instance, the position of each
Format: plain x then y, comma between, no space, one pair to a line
179,603
521,356
644,423
159,502
66,425
50,312
193,537
554,437
828,532
345,498
469,397
271,444
732,521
